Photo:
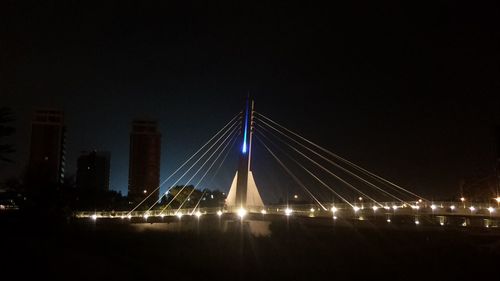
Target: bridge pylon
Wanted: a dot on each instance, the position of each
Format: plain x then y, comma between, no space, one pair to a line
244,192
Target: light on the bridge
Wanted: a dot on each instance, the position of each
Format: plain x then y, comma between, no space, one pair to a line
94,217
433,207
360,198
288,211
144,191
219,213
387,207
179,215
419,200
462,199
162,215
498,199
312,210
295,196
417,222
122,217
198,214
129,216
263,212
472,208
375,208
355,208
334,210
146,216
242,212
452,207
491,209
389,220
394,207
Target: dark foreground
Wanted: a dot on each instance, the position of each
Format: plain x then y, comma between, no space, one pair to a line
260,248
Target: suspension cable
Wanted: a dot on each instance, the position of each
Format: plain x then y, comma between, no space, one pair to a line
180,167
290,173
359,168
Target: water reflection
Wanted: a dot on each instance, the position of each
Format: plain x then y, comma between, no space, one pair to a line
256,228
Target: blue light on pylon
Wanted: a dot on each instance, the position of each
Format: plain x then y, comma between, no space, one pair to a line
244,147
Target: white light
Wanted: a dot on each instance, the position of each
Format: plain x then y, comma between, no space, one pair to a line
441,223
198,214
129,216
146,216
491,209
388,220
295,196
497,199
144,191
462,199
219,213
162,215
179,215
242,212
433,207
452,207
394,207
334,217
288,211
417,222
415,207
312,210
355,208
387,207
334,210
360,198
94,217
122,217
263,212
375,208
420,200
472,209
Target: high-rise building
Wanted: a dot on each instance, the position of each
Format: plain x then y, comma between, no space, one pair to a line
47,151
144,165
92,172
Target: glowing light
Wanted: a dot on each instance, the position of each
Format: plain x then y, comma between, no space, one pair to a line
355,208
491,209
179,215
334,210
219,213
452,207
472,208
375,208
395,207
162,215
389,220
417,222
263,212
295,196
360,198
387,207
129,216
420,200
242,212
312,210
498,199
288,211
415,207
122,217
334,217
433,207
94,217
244,148
144,191
198,214
462,199
146,216
441,223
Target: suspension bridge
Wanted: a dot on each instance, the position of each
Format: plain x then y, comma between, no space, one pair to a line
334,186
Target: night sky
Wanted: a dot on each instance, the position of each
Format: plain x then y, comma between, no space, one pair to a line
409,91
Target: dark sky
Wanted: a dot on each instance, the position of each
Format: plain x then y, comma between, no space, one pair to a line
407,90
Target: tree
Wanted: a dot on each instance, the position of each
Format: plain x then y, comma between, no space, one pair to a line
6,131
